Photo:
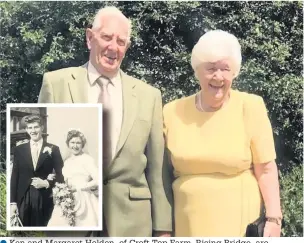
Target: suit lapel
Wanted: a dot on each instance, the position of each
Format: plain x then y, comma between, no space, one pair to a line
78,84
129,109
28,156
42,155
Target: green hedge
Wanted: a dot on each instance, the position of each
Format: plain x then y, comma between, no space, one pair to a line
3,232
292,201
43,36
3,205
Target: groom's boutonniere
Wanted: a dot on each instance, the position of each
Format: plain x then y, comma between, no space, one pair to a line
47,150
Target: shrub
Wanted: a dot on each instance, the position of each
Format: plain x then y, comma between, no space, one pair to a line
2,205
3,232
292,202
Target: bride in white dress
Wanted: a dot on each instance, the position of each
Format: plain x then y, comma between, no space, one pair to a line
81,174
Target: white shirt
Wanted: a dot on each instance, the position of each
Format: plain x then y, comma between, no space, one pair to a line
115,93
39,145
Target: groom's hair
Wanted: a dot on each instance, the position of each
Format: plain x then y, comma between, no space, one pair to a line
31,119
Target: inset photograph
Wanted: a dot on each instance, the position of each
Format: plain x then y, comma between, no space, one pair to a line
54,170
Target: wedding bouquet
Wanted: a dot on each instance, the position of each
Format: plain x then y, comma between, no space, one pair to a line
15,221
64,198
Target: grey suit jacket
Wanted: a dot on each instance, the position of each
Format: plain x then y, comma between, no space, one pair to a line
137,190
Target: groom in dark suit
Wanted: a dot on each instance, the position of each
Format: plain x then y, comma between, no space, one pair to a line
30,188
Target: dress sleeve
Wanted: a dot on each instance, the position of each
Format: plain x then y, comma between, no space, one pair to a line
262,142
92,169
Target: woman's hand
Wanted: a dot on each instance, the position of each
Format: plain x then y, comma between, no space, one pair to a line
90,186
267,177
85,189
272,229
162,234
51,177
72,187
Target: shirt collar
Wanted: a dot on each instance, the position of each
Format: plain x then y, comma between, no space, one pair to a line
39,142
93,74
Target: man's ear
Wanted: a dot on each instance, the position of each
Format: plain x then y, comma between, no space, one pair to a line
27,131
89,36
128,46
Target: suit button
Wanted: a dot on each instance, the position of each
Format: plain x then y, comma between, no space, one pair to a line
105,181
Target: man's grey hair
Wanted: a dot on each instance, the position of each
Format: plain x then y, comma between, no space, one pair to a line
113,11
215,45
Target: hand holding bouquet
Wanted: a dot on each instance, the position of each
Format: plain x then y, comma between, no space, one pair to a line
64,198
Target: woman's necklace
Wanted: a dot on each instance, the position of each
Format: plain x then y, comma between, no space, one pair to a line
199,102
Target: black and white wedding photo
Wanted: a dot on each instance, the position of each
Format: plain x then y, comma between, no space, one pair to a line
54,170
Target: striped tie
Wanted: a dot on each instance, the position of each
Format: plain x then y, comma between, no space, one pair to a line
104,98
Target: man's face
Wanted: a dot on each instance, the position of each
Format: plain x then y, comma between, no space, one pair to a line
34,130
108,44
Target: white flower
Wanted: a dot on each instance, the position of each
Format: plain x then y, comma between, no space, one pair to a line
47,150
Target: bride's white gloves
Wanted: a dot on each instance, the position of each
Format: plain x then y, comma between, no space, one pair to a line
51,177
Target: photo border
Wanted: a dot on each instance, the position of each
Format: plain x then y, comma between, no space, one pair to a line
8,168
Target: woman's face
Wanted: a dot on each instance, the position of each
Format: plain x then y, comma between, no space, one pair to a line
75,145
215,80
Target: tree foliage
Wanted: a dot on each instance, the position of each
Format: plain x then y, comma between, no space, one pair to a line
292,201
41,36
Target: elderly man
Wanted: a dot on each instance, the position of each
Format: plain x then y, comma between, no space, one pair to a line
136,191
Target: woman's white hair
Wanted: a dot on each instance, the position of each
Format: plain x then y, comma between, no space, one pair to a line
216,45
112,11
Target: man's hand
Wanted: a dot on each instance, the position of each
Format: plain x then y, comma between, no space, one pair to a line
162,234
14,209
38,183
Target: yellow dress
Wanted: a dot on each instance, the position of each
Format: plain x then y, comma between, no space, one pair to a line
215,191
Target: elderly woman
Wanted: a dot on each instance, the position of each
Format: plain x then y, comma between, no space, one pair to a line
221,146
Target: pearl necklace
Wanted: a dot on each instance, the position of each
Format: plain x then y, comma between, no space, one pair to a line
199,103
